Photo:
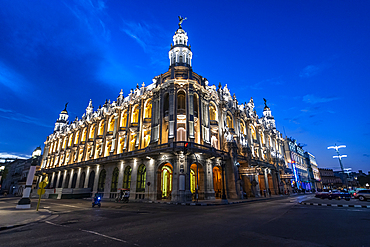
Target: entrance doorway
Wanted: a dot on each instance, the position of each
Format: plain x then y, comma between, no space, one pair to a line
217,182
166,181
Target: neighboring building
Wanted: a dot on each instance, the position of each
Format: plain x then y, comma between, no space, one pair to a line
298,163
15,180
138,142
313,171
329,181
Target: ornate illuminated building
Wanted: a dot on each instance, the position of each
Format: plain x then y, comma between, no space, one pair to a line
138,142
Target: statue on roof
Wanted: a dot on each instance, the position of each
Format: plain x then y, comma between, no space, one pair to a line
181,20
265,103
65,108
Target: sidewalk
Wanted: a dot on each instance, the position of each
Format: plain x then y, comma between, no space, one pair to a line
218,202
11,217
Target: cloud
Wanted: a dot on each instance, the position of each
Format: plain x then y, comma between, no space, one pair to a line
367,155
309,71
9,114
11,79
14,156
267,82
150,37
312,99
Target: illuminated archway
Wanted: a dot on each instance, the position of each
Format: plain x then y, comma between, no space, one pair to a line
217,182
111,124
166,181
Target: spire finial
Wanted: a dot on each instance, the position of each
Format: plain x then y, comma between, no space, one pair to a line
65,108
181,20
265,103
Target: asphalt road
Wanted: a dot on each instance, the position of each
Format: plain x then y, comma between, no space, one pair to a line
274,223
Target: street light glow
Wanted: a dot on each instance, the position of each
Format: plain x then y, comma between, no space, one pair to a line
340,156
337,147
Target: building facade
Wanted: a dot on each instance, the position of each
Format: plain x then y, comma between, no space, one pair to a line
176,139
313,172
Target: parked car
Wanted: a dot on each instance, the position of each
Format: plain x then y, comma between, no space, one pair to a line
333,194
322,194
339,195
362,195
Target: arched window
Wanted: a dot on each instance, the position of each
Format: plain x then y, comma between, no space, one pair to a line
135,114
92,132
242,128
166,104
64,142
253,133
66,183
212,112
60,181
141,178
77,136
84,134
101,128
74,181
124,119
82,180
148,109
262,136
111,123
181,101
127,178
195,105
113,187
70,140
101,182
91,180
229,121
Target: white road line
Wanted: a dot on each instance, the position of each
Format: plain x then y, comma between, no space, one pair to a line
65,205
358,206
92,232
99,234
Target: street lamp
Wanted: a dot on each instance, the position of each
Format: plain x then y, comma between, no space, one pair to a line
25,202
339,157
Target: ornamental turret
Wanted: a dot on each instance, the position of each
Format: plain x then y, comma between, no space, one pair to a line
268,120
180,53
62,120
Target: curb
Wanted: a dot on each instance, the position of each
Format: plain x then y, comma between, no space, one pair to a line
26,222
334,205
214,204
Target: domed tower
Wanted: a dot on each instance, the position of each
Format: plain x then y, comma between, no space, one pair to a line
268,120
180,54
62,120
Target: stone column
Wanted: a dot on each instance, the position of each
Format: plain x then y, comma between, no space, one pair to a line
266,181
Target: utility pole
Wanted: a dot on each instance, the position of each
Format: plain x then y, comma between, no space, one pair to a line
340,159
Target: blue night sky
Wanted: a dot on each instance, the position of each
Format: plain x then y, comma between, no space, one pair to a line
309,59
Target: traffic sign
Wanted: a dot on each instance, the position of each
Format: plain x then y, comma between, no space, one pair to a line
40,192
43,184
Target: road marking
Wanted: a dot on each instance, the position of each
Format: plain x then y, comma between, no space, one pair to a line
92,232
65,205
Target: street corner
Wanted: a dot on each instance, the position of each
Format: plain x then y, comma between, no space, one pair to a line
12,217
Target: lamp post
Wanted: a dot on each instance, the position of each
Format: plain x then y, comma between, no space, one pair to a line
340,159
25,202
223,198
